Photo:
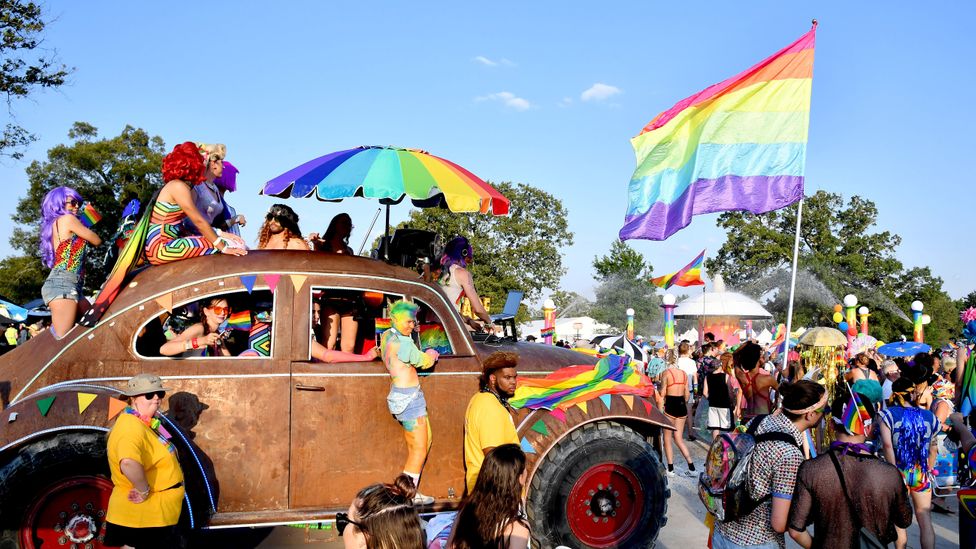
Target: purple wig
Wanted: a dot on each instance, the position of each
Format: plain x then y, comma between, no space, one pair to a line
457,252
228,179
51,209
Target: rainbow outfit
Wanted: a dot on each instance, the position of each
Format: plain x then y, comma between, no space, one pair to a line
67,273
166,240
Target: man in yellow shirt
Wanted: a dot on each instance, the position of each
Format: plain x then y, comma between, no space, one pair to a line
488,420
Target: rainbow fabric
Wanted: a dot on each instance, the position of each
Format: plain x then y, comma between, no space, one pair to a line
736,145
433,336
968,392
566,387
239,321
383,324
689,275
259,339
856,419
779,337
89,216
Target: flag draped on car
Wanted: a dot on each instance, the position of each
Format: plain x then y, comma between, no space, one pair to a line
736,145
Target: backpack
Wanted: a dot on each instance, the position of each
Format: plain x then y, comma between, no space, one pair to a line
723,486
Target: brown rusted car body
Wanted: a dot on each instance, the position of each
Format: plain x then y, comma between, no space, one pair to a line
288,439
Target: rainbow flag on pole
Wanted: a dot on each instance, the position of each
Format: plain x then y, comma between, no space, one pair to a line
689,275
89,216
737,145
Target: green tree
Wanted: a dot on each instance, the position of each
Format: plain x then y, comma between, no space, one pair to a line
966,302
520,251
623,282
840,253
107,172
26,67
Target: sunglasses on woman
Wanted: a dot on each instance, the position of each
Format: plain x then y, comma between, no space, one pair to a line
160,394
220,311
342,520
72,202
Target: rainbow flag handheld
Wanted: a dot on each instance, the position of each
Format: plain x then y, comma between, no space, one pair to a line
736,145
689,275
856,419
239,321
88,215
566,387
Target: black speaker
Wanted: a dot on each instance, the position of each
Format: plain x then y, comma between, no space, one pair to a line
408,247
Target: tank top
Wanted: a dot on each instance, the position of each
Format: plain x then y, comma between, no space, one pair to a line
718,390
758,403
451,287
70,254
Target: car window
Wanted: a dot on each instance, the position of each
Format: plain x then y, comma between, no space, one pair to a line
431,332
240,321
347,320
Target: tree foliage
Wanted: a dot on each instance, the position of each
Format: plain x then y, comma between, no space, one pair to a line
569,303
26,67
520,251
840,253
106,172
623,282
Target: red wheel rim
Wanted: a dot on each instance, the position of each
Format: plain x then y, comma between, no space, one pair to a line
70,513
605,505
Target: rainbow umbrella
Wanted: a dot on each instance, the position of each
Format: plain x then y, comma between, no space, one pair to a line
389,174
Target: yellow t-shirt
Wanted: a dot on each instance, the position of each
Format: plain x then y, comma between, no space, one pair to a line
133,439
487,424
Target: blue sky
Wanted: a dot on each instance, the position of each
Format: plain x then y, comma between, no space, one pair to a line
544,93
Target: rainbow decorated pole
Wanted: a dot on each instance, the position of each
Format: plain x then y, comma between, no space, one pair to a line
630,324
850,319
548,321
667,303
918,331
863,314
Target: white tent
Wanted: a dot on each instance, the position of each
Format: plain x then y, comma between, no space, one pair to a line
720,303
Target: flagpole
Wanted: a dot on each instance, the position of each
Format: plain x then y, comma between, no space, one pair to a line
789,310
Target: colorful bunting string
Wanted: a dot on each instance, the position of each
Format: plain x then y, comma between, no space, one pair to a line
527,446
44,405
84,401
115,407
298,281
272,281
540,427
248,282
166,302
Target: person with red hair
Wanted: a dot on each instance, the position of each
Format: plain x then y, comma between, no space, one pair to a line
166,240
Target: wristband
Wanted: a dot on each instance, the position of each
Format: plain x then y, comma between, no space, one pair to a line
186,345
144,494
194,343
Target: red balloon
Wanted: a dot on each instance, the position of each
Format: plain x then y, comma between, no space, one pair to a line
851,331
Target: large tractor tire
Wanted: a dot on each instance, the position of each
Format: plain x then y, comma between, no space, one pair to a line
54,493
601,486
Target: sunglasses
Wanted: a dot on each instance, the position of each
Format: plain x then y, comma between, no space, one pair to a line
160,394
342,520
72,202
220,311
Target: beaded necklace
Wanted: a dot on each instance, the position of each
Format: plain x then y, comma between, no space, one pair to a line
156,427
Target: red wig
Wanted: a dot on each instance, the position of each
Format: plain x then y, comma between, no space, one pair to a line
184,163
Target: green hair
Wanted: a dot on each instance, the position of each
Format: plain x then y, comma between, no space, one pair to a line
401,308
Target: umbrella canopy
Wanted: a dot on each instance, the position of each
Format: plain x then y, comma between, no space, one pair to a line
621,342
862,343
389,174
822,336
904,348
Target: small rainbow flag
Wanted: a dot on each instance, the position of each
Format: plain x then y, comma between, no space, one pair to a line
566,387
88,215
239,321
383,324
736,145
689,275
548,332
856,419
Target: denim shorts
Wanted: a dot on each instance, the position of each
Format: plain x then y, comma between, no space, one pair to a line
407,403
62,285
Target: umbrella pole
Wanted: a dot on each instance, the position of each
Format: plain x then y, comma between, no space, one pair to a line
387,221
789,310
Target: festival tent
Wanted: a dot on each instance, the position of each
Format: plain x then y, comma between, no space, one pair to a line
720,311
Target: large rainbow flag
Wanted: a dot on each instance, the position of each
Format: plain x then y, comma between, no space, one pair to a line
737,145
689,275
566,387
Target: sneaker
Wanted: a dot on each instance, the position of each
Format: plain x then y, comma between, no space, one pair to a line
670,473
690,474
421,500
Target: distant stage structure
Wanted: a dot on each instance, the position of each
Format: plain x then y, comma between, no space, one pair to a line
721,312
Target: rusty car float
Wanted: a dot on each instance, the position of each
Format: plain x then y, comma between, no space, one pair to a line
271,437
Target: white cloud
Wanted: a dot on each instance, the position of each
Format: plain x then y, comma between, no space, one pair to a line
508,99
600,92
492,63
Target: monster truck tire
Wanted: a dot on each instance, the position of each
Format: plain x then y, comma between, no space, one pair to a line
601,486
67,473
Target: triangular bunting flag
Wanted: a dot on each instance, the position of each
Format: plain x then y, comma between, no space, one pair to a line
298,281
559,414
582,406
271,281
166,302
606,400
540,427
115,406
629,399
44,405
248,282
84,401
647,405
527,446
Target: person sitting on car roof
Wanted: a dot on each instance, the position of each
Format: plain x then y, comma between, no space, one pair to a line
457,282
280,230
406,399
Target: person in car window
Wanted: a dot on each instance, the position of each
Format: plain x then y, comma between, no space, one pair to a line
406,399
203,338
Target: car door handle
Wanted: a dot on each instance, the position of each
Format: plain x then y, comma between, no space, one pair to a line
318,388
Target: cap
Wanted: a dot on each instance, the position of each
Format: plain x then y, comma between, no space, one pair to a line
142,384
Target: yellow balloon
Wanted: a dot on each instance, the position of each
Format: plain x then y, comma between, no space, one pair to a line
838,317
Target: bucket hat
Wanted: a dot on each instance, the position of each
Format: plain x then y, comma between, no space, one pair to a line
143,384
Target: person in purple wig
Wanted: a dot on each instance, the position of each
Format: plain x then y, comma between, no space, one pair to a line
457,282
64,242
227,182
